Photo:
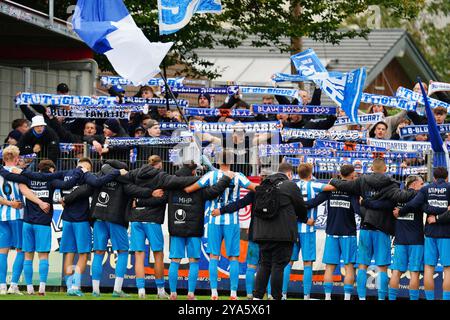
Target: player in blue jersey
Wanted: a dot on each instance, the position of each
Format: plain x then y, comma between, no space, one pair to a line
376,228
77,233
223,227
307,233
409,235
436,198
11,220
253,248
341,233
36,224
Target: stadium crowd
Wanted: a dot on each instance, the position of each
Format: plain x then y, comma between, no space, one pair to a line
134,195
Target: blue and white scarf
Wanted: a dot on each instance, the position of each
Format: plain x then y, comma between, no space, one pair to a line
230,127
173,125
409,131
292,109
362,119
341,146
145,141
211,112
395,145
438,87
112,81
386,101
348,135
417,97
287,92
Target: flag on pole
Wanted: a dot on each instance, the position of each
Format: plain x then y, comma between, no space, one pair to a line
440,152
176,14
107,27
344,89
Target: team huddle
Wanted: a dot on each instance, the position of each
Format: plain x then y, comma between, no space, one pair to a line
102,207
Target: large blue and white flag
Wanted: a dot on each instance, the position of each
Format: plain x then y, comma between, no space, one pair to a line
440,151
345,90
107,27
176,14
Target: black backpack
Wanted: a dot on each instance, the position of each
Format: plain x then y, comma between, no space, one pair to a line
267,198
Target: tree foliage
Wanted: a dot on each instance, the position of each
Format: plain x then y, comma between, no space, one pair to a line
271,22
429,30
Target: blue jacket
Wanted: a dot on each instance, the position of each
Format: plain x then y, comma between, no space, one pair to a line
409,225
433,199
341,210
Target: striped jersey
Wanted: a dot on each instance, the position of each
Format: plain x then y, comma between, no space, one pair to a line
309,190
231,194
10,191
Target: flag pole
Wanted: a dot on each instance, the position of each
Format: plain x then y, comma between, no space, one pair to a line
169,91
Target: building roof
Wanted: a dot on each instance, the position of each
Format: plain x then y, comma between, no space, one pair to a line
250,65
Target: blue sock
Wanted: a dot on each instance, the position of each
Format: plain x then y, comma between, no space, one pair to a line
413,294
383,285
28,271
121,266
328,287
69,281
193,275
213,272
17,267
140,283
97,267
269,288
234,275
77,279
43,270
446,295
361,280
348,288
250,280
173,276
393,292
159,283
3,267
429,294
286,277
307,280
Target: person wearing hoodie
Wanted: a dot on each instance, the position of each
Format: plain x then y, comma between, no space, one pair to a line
76,235
108,208
40,140
276,236
409,234
146,221
224,227
376,228
253,248
434,198
36,229
340,233
186,225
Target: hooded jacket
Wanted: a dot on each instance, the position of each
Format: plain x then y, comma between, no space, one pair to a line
111,200
48,141
149,177
369,186
186,211
283,227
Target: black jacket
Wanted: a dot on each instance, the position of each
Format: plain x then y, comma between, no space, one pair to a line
48,141
149,177
370,186
111,201
186,211
283,227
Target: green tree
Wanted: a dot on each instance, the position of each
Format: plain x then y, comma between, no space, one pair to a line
271,21
429,31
